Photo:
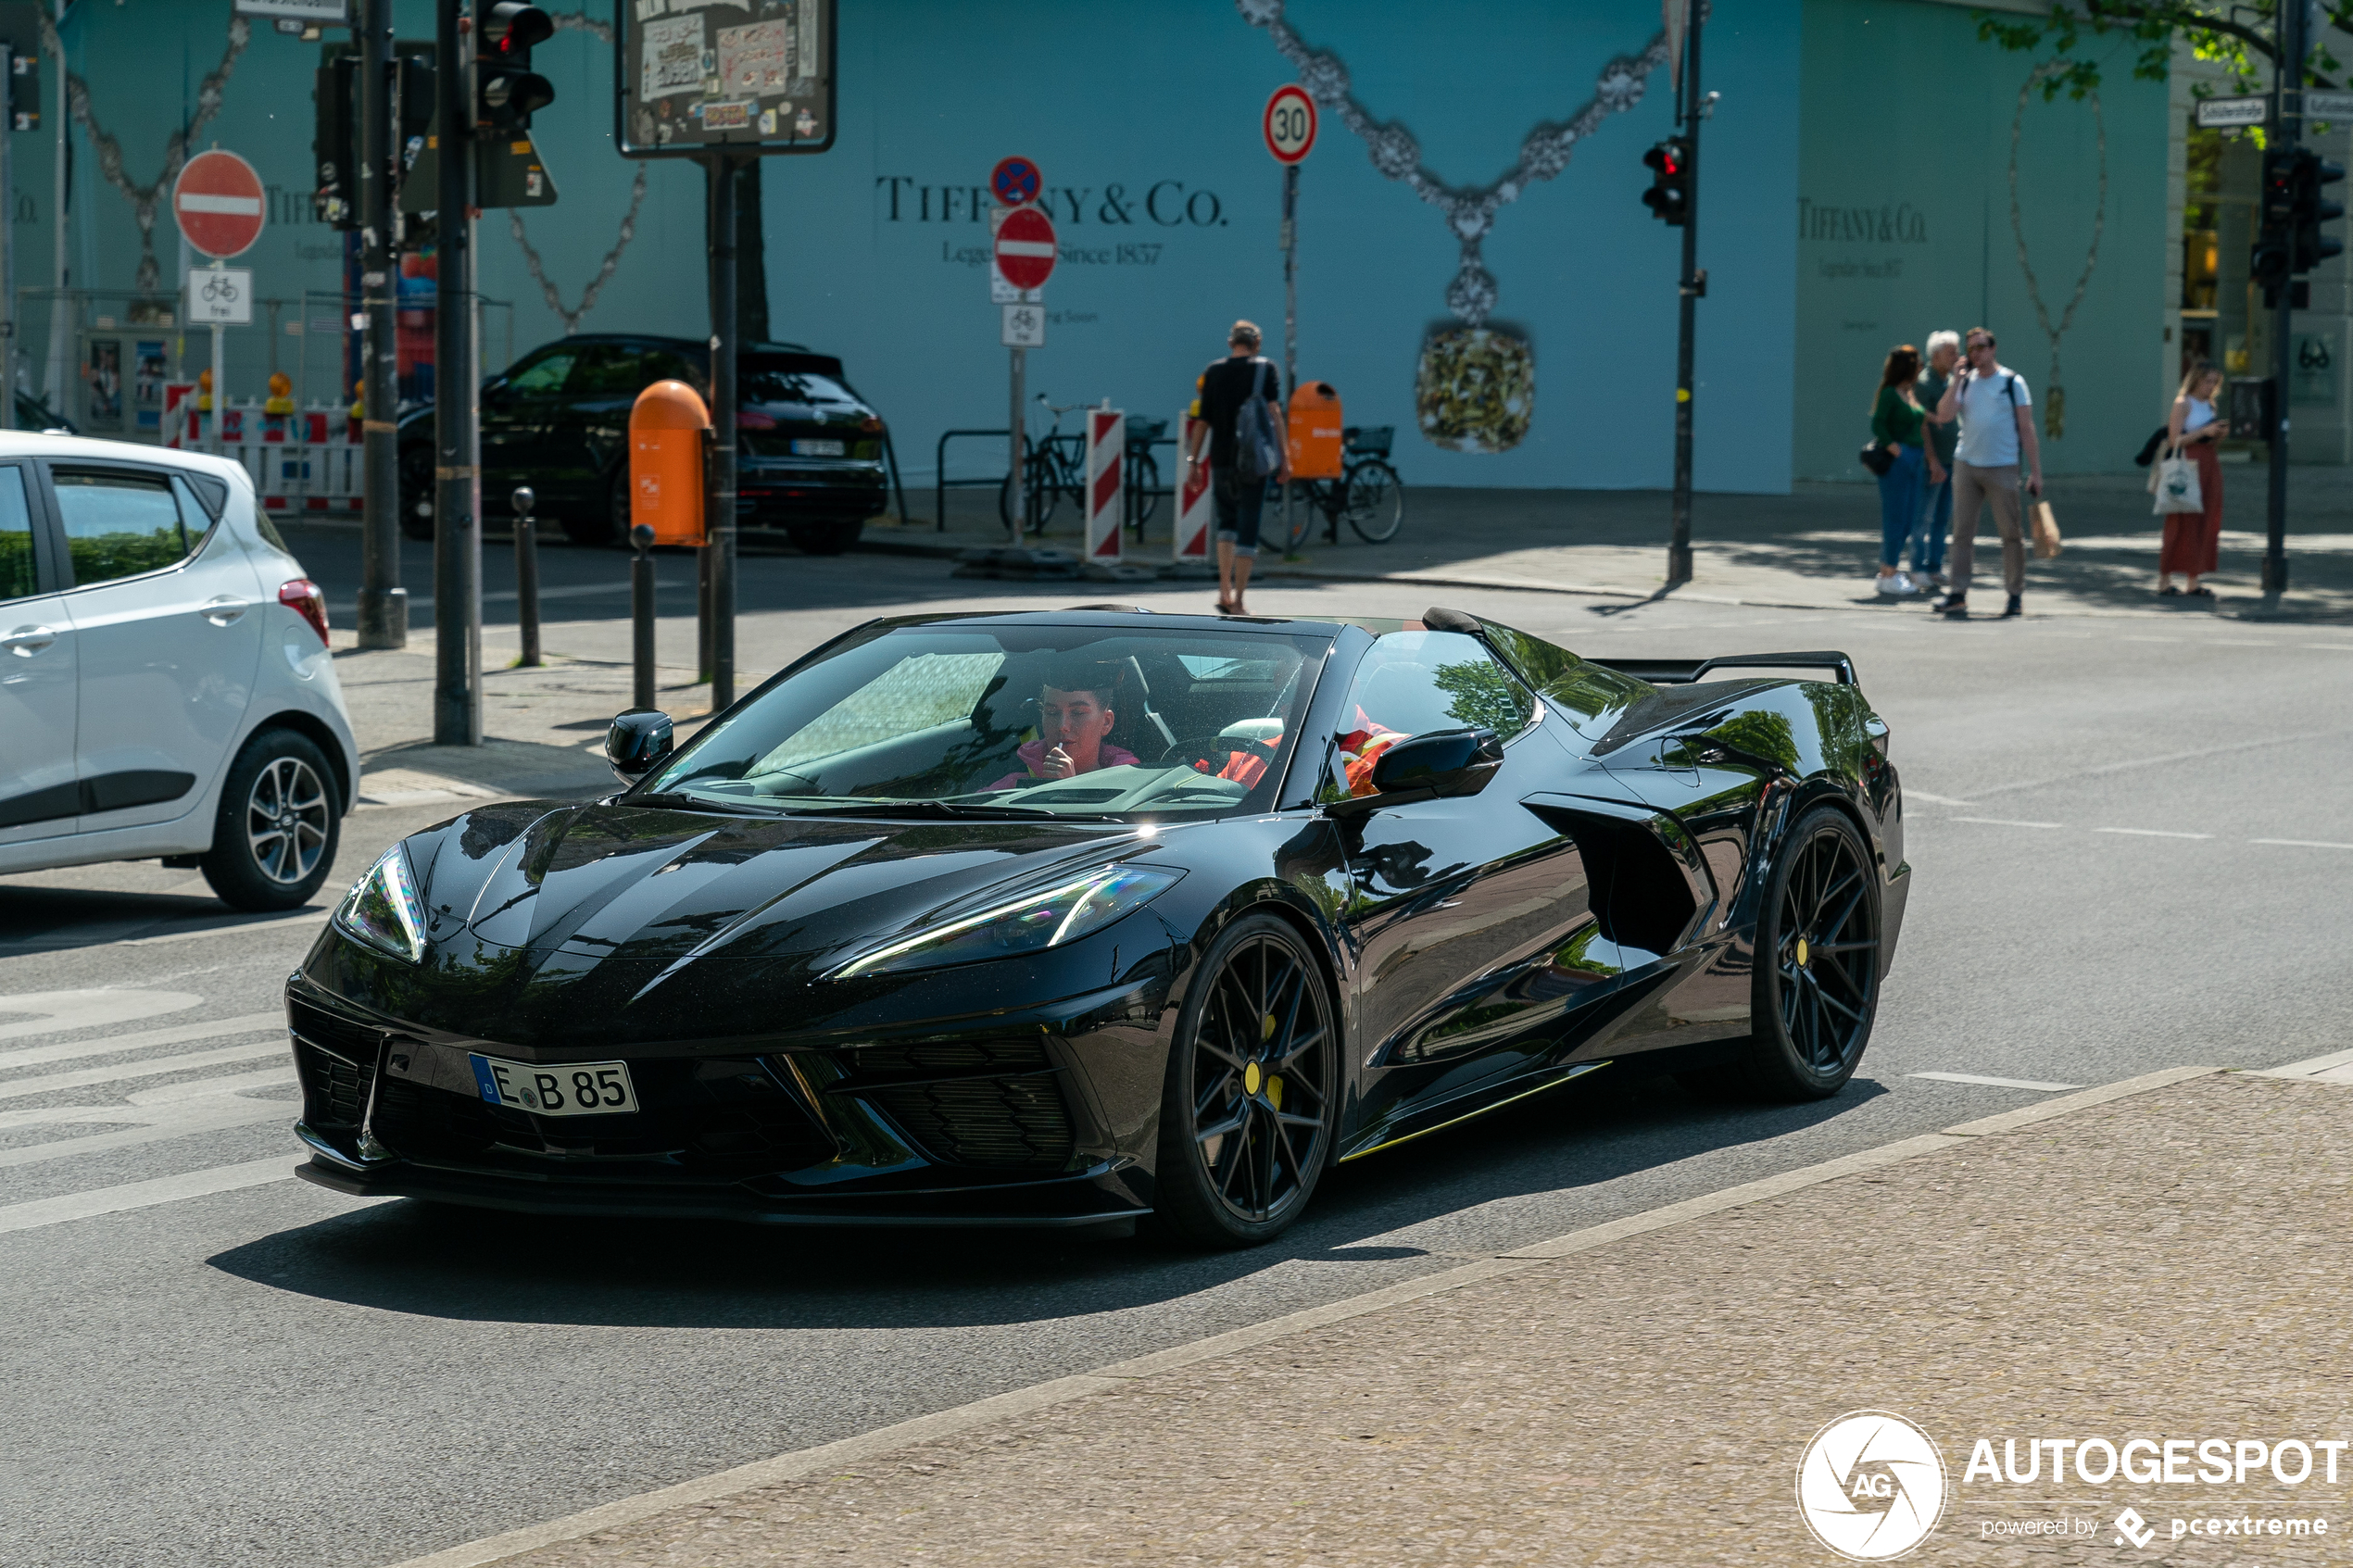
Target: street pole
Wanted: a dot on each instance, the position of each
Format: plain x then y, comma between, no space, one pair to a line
1290,329
384,603
220,379
1688,104
719,514
1019,509
456,535
2286,122
7,238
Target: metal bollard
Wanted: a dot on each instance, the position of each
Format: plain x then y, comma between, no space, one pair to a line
527,574
641,612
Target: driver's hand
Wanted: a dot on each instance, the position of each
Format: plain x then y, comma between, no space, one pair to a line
1057,764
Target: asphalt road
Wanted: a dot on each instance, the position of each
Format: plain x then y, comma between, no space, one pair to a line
2131,841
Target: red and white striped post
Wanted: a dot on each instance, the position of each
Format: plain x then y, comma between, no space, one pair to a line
1194,511
1106,481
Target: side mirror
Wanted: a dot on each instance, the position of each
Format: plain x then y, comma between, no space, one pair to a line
638,742
1441,764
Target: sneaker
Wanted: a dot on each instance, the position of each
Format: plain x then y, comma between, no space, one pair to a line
1895,585
1953,605
2014,609
1934,579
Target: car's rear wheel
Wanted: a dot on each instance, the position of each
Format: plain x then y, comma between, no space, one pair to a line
605,526
1253,1095
274,840
1818,958
829,537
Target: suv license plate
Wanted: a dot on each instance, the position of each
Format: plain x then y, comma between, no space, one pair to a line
817,448
572,1088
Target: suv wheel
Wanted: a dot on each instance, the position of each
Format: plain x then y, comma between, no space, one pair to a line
274,840
609,528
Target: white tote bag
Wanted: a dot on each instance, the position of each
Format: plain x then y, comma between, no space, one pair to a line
2177,486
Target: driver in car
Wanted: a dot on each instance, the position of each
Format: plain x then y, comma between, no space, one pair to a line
1075,720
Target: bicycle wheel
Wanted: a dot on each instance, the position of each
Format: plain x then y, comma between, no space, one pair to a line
1302,514
1373,501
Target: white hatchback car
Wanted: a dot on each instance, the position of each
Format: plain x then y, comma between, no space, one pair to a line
165,689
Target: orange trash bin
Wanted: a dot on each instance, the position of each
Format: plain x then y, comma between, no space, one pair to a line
1315,431
668,427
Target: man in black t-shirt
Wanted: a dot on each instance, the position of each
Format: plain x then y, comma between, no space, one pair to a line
1225,387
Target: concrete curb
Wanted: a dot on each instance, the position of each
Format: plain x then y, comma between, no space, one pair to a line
802,1462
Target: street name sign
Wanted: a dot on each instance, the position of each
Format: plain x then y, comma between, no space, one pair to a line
222,295
2328,106
1289,123
217,203
2213,113
1026,248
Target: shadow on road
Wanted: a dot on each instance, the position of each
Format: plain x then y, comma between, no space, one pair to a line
438,1262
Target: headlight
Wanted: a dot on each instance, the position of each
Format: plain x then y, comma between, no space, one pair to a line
383,909
1046,918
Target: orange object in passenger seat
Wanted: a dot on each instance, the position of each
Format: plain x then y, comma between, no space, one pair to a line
668,429
1315,431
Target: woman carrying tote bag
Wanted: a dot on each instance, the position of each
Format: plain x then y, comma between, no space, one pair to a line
1896,417
2193,540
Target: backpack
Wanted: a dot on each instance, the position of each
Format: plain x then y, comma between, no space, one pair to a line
1257,452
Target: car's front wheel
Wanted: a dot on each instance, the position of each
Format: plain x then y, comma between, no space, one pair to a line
1818,960
274,840
1252,1096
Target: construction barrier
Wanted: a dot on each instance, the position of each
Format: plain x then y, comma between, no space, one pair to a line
1106,481
1195,509
310,461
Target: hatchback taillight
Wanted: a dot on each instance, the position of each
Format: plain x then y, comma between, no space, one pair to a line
302,596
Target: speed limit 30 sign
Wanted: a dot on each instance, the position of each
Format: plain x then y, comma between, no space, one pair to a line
1289,123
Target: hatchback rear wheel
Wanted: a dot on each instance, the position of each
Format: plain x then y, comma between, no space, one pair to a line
274,839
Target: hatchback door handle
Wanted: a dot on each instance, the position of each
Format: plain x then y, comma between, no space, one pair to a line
224,609
26,641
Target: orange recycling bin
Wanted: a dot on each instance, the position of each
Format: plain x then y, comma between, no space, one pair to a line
1315,431
668,428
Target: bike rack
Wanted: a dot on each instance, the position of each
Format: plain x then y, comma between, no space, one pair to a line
941,484
1136,493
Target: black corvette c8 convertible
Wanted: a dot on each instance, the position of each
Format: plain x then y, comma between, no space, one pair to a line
1062,919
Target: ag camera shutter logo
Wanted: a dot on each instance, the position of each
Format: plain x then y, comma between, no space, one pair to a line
1871,1486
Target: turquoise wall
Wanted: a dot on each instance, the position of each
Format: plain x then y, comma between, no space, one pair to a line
1144,118
1903,225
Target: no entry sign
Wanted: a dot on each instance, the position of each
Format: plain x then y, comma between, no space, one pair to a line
1289,123
218,202
1026,248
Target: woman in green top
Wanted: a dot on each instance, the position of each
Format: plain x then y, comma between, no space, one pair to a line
1896,417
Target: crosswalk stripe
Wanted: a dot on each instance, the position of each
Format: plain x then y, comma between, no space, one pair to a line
147,1195
178,1033
20,1087
231,1113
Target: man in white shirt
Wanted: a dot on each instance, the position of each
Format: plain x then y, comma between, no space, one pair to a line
1997,426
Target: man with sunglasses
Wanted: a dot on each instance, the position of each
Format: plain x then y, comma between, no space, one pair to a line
1997,427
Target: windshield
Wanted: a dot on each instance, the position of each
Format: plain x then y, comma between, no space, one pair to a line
1014,721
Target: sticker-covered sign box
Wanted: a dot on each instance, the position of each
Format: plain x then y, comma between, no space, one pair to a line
749,76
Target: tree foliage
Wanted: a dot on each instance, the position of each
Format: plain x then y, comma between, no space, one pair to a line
2081,39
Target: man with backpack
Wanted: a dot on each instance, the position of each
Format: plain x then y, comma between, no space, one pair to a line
1997,426
1240,408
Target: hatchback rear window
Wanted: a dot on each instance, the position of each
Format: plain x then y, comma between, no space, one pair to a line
121,524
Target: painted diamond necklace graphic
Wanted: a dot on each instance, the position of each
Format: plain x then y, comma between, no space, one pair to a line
1475,389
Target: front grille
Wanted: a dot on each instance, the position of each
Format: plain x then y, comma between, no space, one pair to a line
710,1119
334,1092
995,1104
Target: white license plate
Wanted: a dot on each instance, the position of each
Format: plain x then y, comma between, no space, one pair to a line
817,448
574,1088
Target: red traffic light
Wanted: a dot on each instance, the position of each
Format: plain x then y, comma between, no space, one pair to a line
509,28
1669,198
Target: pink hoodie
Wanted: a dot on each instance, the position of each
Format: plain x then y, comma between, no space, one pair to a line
1033,757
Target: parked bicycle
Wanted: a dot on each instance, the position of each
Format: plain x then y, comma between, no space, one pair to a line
1367,495
1054,467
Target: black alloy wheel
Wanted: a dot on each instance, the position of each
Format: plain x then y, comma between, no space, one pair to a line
609,528
416,503
1253,1089
1817,960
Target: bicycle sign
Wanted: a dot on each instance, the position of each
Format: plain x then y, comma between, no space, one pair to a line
1289,123
220,295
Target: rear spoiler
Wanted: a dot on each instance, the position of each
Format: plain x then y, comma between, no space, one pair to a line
1681,671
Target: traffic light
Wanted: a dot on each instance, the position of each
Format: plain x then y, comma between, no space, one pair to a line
2275,255
506,90
1669,198
334,142
2312,247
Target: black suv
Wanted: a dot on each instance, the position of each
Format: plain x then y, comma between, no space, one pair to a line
808,449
